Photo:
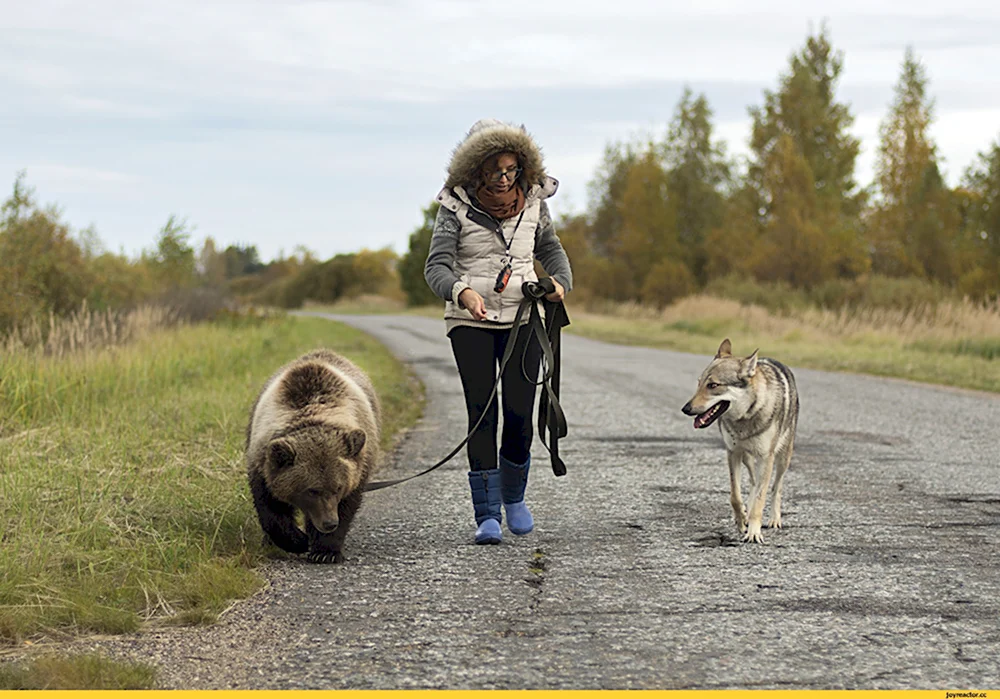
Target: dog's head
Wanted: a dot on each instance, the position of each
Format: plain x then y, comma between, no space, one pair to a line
724,383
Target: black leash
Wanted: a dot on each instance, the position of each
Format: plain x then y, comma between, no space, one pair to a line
550,413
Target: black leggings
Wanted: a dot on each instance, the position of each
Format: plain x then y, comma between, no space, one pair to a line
478,352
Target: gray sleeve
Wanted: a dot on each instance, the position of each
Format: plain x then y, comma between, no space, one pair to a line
439,270
549,251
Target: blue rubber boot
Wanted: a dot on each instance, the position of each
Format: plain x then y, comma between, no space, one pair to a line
485,487
513,481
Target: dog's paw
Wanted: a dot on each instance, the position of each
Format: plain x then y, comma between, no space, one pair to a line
753,534
325,557
774,523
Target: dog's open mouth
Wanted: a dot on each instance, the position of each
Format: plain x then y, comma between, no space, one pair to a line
711,415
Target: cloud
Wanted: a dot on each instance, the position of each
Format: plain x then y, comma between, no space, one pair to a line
78,179
329,123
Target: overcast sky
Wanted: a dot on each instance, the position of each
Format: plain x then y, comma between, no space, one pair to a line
329,124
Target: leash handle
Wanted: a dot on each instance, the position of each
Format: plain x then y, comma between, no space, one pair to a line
508,351
538,290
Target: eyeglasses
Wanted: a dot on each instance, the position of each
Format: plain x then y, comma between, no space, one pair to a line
511,175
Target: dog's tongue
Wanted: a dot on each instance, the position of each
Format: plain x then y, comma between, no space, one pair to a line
699,421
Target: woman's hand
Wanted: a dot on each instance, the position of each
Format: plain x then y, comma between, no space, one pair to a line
559,294
474,303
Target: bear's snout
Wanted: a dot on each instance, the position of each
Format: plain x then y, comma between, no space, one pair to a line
328,525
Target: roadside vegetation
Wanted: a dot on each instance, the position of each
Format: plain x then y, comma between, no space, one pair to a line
82,671
122,480
955,343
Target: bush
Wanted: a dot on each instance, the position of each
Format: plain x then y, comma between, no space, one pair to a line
875,291
779,297
197,305
900,293
667,281
980,284
342,276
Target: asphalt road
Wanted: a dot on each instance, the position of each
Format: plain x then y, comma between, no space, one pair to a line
885,575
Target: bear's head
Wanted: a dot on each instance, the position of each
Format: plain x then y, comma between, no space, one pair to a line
314,469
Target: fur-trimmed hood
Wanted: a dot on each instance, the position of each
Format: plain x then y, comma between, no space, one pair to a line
488,137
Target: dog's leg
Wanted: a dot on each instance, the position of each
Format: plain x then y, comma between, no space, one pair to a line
748,462
784,460
739,512
757,498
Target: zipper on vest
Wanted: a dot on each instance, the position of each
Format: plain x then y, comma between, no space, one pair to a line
498,225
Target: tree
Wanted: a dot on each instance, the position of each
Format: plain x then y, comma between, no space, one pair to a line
804,128
42,269
118,282
793,247
211,264
575,236
242,259
698,175
915,221
982,181
20,203
411,265
633,220
648,233
172,262
606,192
90,243
805,108
729,247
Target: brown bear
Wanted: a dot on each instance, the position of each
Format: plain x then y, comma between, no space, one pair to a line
312,444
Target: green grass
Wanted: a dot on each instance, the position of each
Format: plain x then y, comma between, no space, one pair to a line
375,305
82,671
123,489
985,348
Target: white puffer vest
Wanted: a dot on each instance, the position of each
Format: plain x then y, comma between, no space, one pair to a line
481,253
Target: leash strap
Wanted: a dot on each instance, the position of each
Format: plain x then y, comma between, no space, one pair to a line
550,412
549,403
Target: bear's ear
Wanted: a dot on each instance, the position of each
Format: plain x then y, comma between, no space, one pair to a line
281,453
354,441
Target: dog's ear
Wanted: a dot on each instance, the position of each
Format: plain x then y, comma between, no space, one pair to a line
725,349
750,365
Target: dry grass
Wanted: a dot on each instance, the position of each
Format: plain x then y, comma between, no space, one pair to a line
87,331
370,304
950,342
364,304
942,321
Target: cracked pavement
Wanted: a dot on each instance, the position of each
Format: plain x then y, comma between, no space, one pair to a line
884,577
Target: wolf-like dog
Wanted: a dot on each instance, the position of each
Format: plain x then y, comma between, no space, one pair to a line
757,406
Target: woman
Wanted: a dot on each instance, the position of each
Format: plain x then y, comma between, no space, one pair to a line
493,223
